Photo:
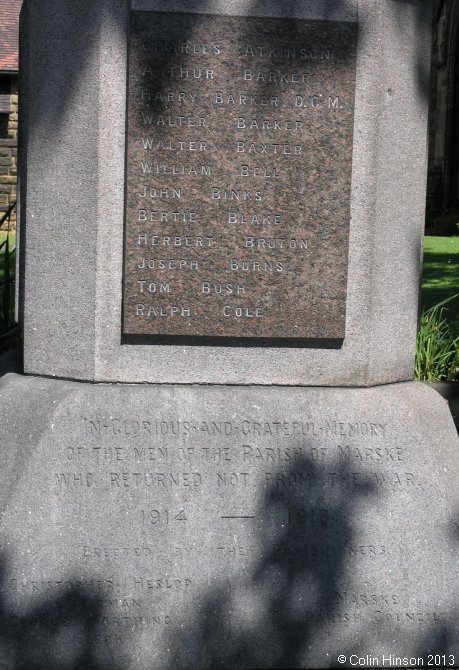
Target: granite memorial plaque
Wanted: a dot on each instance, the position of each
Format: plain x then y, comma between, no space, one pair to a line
239,157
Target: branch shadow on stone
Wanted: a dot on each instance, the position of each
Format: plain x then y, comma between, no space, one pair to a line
60,632
274,613
442,638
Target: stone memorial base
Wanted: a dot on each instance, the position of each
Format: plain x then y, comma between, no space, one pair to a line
177,527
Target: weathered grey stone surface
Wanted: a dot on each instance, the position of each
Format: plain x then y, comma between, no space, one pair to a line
73,188
336,10
206,527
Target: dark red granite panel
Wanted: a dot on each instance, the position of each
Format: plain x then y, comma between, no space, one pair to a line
239,156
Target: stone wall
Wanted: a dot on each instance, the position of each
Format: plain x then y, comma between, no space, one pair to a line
8,155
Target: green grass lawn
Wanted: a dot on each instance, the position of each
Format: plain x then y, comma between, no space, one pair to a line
3,235
440,275
437,342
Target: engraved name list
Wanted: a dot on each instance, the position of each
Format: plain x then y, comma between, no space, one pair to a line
239,156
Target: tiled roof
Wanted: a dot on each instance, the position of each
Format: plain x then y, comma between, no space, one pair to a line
9,34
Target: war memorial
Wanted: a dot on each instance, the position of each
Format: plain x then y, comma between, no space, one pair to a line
217,457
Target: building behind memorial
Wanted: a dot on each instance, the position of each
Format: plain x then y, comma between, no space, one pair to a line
9,28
